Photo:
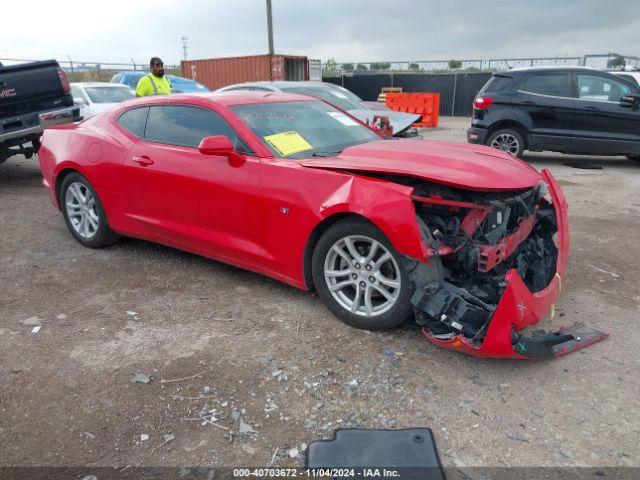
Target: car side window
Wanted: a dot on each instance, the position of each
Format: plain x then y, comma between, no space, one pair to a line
595,87
186,126
134,120
552,84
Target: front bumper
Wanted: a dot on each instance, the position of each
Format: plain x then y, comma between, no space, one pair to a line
477,135
519,308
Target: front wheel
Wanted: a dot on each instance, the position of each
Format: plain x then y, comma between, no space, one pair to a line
83,212
507,140
360,276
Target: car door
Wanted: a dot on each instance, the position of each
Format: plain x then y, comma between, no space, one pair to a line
602,124
545,105
202,203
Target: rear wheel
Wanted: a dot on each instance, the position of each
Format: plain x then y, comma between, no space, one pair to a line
360,276
83,212
507,140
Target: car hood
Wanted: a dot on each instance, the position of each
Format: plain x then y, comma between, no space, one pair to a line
399,121
462,165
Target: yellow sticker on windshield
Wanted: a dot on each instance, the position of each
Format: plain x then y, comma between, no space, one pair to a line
288,143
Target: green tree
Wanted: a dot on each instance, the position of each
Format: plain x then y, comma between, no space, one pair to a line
380,66
616,62
347,66
362,67
331,68
415,67
455,64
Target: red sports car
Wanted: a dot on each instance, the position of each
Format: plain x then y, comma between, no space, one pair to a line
469,241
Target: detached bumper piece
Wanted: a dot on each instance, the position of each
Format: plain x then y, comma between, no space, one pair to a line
541,344
360,453
482,331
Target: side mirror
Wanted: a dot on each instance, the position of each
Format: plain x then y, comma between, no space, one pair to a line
630,101
216,145
79,101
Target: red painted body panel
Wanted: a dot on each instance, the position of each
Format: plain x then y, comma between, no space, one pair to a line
518,307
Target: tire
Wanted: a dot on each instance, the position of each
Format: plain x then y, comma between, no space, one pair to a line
374,310
83,212
507,140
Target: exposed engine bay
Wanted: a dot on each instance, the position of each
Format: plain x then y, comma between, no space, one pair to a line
475,239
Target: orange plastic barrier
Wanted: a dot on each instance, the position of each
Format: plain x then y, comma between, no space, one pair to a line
425,104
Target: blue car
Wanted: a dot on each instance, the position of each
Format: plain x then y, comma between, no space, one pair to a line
178,84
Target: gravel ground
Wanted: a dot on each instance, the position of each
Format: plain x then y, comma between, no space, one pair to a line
240,365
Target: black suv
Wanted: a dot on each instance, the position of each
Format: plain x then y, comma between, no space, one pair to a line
568,110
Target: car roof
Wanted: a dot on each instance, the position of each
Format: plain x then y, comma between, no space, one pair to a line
282,84
633,73
550,68
235,97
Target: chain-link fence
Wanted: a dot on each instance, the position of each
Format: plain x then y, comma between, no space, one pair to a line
89,71
600,61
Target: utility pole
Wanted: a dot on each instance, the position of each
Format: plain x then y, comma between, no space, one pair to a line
269,27
185,47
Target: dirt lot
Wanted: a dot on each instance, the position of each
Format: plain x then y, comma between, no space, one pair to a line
278,359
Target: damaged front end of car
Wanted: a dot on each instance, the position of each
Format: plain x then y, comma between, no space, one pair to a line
495,262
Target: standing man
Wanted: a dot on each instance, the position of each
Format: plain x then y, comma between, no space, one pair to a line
155,82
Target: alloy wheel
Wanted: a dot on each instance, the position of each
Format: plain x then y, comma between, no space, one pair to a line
507,143
82,210
362,275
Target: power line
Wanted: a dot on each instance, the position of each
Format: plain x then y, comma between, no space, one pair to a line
185,47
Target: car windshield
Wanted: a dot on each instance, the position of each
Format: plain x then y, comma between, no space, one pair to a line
109,94
331,95
303,129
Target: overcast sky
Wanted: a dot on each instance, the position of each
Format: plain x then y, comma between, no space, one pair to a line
359,30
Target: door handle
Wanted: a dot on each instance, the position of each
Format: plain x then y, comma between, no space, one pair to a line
142,160
528,102
592,109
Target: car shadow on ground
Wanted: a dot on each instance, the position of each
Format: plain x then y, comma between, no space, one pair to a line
588,162
17,171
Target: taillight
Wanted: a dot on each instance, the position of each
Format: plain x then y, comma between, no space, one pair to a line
64,81
482,103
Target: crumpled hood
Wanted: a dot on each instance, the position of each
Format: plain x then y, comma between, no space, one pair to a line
399,121
463,165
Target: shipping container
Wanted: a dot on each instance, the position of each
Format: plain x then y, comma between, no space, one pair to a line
315,70
219,72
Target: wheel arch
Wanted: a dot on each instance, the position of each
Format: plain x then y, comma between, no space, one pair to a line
60,176
512,124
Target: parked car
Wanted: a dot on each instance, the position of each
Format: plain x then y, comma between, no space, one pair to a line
471,240
178,84
341,98
95,97
568,110
33,96
631,75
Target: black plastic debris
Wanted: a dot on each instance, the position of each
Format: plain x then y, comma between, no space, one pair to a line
402,454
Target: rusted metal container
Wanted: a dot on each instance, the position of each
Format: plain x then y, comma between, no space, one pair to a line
219,72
